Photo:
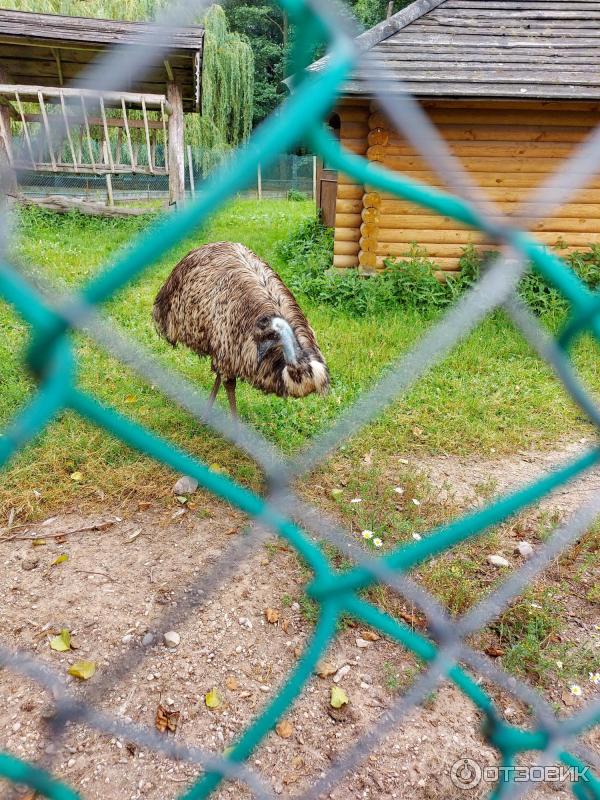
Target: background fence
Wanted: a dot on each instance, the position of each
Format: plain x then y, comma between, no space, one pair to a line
289,173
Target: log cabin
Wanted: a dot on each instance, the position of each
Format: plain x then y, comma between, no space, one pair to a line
512,86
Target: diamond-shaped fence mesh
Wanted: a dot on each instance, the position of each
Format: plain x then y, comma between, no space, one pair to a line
52,359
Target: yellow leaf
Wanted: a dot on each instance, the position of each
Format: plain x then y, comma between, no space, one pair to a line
131,398
212,699
38,542
284,729
77,476
339,697
82,669
61,642
60,559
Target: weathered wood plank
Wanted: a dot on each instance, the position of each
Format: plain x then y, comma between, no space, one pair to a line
541,91
486,75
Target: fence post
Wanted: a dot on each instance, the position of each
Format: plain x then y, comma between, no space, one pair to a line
259,181
315,178
191,171
109,188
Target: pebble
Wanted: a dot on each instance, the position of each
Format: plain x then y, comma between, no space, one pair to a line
342,671
172,638
295,606
498,561
245,623
127,638
524,549
148,639
362,643
185,485
29,563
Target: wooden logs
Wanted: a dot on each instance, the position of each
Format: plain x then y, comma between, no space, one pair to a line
353,137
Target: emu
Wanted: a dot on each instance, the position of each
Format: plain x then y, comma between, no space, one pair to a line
222,301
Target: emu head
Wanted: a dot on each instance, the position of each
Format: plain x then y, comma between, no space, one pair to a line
272,332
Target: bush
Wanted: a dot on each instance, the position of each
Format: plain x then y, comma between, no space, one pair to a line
409,282
295,196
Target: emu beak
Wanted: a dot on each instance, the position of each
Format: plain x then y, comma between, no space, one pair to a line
262,350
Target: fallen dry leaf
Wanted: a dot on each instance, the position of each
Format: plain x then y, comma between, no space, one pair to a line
212,699
232,531
62,642
370,636
272,615
285,625
297,652
494,652
408,618
325,668
76,476
60,559
38,542
166,720
231,683
284,728
60,538
82,669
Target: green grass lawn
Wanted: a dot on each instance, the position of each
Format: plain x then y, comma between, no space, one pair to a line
490,395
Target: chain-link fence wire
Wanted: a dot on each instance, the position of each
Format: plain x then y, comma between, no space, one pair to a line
52,359
289,176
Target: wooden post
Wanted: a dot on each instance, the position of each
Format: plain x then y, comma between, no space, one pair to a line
8,180
191,171
259,181
109,188
315,178
176,144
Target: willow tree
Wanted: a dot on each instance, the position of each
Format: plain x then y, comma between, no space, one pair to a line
227,91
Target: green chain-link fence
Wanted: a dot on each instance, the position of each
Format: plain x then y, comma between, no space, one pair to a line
51,358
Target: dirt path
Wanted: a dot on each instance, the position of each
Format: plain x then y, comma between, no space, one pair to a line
120,579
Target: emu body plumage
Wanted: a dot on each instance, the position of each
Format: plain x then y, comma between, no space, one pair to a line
222,301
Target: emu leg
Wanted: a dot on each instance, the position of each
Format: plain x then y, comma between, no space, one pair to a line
230,389
214,390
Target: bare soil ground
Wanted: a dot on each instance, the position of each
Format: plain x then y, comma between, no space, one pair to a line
122,577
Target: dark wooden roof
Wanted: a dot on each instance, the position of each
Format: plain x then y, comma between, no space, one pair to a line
52,50
486,48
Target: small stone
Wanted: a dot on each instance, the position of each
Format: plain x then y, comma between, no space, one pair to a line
245,623
362,643
295,606
172,638
29,563
127,638
498,561
524,549
185,485
341,673
148,639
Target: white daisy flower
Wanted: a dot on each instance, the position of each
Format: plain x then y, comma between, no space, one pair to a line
417,537
377,542
356,500
416,502
576,690
367,534
398,489
595,677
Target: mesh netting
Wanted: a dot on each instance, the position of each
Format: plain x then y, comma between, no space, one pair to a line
51,357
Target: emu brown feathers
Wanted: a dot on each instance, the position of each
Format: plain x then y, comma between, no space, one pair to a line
222,301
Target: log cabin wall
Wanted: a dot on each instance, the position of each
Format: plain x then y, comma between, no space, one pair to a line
354,129
508,146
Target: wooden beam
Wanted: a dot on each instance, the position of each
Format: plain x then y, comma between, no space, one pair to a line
8,181
176,144
30,92
168,69
56,54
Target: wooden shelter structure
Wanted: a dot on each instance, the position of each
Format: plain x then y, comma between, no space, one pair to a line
512,85
44,65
